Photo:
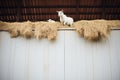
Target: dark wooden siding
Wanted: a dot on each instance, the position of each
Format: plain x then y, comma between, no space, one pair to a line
35,10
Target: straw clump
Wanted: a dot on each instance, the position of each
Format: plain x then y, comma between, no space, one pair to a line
10,27
26,29
46,30
18,28
92,30
113,23
29,29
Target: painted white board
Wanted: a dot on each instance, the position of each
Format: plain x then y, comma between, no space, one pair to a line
70,57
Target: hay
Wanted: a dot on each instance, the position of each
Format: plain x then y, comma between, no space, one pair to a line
26,29
92,30
113,23
10,27
16,28
46,30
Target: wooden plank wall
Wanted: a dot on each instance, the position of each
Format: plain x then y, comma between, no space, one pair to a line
36,10
68,58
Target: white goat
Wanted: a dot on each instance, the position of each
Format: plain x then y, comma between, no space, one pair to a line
64,19
50,20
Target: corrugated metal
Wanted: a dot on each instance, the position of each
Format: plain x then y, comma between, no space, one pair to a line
34,10
68,58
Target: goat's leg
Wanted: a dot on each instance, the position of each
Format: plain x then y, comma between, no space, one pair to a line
70,25
64,23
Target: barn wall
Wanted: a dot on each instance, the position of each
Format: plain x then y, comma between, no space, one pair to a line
68,58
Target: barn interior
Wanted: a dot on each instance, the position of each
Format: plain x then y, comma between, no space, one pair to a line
31,48
42,10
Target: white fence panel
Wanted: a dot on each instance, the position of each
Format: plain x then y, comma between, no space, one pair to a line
78,58
115,55
70,57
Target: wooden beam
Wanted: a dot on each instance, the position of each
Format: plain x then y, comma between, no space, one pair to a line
65,6
70,29
74,29
69,13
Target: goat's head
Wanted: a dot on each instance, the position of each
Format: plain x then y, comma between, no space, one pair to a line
60,13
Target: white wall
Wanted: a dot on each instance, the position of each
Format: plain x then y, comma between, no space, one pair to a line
70,57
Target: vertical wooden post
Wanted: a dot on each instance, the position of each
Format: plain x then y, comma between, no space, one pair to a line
77,10
103,9
18,10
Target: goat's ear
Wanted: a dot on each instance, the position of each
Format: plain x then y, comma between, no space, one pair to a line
62,10
57,11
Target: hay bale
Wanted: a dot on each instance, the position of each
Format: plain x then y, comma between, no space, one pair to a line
92,30
46,30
